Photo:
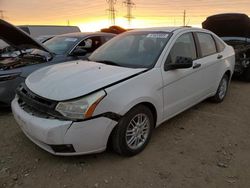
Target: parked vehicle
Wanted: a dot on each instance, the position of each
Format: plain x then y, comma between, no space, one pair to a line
8,51
44,38
131,85
68,47
234,29
114,29
43,30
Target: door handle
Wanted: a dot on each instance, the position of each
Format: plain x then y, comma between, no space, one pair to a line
197,65
219,56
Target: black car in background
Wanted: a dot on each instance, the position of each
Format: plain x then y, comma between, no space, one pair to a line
234,29
31,55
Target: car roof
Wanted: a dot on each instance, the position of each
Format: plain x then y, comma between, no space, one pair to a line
169,29
85,34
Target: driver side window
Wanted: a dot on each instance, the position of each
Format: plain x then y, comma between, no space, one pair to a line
183,47
90,44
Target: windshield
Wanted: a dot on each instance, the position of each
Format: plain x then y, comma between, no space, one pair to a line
133,49
61,45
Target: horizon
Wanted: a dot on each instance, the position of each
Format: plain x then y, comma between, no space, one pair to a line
93,16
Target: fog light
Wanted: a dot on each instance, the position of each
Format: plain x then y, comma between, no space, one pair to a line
67,148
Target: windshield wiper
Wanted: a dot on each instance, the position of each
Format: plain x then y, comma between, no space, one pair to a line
107,62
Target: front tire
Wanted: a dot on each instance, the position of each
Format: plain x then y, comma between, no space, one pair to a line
222,90
133,132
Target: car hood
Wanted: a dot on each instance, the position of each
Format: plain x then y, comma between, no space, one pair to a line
18,38
74,79
228,25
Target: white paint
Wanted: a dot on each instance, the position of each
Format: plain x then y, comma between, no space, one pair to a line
170,92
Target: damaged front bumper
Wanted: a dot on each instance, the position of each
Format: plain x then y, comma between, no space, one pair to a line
61,137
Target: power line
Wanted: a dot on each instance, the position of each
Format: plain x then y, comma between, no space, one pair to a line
111,11
129,4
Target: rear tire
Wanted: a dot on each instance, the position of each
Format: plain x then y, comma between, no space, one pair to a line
222,90
133,132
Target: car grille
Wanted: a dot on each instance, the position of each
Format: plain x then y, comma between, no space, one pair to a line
36,105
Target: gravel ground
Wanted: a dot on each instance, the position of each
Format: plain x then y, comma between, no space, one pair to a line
206,146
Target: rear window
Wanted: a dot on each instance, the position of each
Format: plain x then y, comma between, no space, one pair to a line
207,44
220,45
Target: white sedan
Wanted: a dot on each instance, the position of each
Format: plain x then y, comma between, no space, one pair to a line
128,87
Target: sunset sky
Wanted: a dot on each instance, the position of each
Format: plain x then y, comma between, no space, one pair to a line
92,15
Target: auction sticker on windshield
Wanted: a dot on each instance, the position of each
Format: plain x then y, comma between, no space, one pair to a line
157,35
70,39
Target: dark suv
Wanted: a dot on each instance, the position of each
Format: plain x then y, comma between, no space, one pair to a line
234,29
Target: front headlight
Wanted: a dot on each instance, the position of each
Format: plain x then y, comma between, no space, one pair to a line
81,108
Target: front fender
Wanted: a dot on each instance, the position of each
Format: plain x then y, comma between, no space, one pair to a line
146,87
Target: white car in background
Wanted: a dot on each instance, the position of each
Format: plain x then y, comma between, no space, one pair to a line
129,86
36,31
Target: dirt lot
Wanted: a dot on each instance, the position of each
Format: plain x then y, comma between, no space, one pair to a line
206,146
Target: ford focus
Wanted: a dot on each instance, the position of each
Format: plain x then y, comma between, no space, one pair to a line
128,87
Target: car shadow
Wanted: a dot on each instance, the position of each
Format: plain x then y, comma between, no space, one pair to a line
5,110
239,79
109,155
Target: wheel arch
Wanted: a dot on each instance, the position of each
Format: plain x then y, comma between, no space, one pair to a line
149,105
146,103
229,74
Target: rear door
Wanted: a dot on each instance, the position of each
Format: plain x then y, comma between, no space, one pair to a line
210,60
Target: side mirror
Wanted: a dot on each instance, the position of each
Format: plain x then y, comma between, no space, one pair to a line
180,63
79,52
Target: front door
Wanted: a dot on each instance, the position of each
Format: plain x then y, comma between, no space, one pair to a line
182,87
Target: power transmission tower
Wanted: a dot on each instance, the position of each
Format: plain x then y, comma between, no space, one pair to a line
2,14
111,11
129,4
184,18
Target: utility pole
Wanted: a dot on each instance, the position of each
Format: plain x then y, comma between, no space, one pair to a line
184,18
111,11
129,4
